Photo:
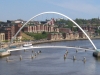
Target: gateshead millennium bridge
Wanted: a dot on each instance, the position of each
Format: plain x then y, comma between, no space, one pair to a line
95,53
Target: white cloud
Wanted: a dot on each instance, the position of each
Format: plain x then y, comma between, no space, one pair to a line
83,6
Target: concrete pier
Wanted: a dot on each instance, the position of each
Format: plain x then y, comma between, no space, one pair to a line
96,54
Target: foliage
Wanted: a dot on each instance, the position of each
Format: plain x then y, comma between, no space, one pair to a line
25,39
65,23
6,41
37,36
75,28
69,24
97,31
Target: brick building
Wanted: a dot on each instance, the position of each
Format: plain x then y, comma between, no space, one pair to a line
40,28
82,35
10,29
68,34
65,30
90,30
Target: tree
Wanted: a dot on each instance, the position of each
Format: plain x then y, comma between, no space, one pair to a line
43,32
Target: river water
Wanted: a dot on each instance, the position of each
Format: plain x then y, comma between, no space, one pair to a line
51,61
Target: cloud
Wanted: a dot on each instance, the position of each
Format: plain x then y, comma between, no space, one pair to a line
82,6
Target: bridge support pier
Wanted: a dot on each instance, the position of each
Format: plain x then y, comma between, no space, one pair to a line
96,53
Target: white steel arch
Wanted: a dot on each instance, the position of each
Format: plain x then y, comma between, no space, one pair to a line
58,14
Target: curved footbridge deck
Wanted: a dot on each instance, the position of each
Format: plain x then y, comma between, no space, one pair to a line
32,47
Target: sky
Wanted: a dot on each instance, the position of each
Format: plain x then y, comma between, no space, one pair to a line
26,9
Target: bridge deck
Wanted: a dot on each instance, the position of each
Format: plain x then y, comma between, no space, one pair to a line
32,47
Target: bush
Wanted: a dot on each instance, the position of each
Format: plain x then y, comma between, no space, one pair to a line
37,36
6,41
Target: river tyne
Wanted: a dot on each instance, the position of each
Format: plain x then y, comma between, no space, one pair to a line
51,60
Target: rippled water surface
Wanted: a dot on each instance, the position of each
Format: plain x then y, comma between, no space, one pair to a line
51,61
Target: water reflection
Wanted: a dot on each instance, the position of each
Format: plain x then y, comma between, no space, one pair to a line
97,59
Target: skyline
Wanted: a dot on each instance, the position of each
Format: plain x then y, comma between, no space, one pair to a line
25,9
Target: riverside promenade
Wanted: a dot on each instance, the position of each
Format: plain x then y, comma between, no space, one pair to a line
44,41
47,41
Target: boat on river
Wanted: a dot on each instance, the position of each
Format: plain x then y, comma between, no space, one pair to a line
4,52
27,45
